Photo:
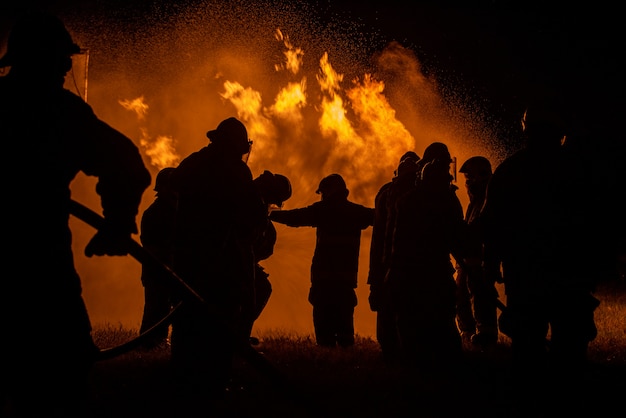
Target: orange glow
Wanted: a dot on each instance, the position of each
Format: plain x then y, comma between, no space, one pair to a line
293,56
312,106
161,150
289,100
137,105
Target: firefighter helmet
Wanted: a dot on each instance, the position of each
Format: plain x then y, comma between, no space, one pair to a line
408,165
274,188
281,188
409,155
162,178
331,184
436,173
232,132
437,151
38,36
477,165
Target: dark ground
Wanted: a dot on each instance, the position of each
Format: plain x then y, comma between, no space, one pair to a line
320,382
337,386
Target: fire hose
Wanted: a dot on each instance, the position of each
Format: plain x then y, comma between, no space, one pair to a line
189,295
144,256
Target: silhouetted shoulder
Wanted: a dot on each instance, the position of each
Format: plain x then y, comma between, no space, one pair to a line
382,192
363,214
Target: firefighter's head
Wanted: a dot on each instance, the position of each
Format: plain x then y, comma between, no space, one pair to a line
332,186
477,166
408,164
477,171
437,151
440,152
275,189
39,42
162,179
409,155
231,136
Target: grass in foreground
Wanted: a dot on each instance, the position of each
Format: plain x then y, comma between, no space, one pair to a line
354,382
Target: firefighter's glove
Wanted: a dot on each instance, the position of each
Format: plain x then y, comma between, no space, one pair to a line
109,240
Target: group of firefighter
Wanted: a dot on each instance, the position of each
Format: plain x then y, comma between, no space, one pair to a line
525,227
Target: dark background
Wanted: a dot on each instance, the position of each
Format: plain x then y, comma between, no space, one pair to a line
498,53
502,53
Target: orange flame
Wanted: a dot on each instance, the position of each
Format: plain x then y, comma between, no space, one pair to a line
162,151
137,105
293,55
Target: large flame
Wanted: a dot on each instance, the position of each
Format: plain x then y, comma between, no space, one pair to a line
314,103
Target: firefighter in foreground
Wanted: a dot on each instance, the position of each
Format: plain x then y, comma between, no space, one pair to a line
51,135
530,216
